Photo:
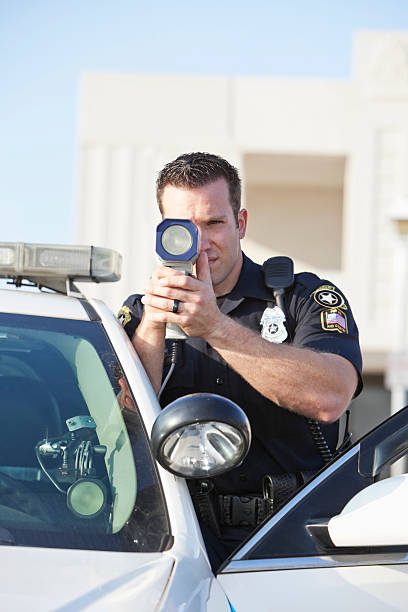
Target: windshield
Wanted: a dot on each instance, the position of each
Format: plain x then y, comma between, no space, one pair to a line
75,465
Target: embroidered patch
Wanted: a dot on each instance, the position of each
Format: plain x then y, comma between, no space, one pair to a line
124,316
334,320
328,297
273,325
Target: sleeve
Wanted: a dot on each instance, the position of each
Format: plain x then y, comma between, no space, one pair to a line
324,321
130,314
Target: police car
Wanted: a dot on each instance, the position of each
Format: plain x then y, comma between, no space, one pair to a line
94,511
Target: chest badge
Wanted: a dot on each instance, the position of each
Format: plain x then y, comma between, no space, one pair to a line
273,325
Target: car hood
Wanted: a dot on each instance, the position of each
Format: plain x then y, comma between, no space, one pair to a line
73,580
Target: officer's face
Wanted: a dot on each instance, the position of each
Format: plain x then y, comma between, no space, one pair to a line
210,209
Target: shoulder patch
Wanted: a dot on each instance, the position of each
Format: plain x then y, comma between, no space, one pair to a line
124,315
334,320
329,297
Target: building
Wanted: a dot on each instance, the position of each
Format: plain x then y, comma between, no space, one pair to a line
324,164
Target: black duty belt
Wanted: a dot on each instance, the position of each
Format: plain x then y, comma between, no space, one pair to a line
218,510
243,511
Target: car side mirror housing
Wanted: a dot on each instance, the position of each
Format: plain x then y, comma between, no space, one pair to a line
375,516
201,436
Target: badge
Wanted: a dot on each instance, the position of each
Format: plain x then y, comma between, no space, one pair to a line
124,316
273,325
328,297
334,320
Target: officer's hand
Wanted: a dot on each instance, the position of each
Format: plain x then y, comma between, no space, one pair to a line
198,313
150,323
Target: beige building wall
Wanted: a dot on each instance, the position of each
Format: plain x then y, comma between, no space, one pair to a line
296,209
324,163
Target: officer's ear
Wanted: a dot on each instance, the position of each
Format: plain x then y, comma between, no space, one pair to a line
242,222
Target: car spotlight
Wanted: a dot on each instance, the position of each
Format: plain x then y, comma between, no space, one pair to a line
201,436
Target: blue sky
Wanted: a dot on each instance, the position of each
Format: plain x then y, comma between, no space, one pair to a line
45,46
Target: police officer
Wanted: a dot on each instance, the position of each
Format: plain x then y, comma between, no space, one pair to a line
285,369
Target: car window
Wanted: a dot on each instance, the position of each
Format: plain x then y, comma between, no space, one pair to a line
75,465
292,530
290,536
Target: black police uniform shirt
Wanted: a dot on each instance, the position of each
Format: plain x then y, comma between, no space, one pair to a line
318,317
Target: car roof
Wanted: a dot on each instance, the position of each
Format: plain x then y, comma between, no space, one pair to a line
41,304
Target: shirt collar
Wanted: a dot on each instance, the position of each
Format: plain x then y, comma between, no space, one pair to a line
250,284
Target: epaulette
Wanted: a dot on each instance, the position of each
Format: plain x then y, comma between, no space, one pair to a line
308,279
132,299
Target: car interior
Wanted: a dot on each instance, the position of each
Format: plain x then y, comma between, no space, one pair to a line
75,466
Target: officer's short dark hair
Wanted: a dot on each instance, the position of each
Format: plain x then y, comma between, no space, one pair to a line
197,169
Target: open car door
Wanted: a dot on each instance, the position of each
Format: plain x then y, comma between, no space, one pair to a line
340,543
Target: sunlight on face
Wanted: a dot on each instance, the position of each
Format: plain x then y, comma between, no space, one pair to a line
210,209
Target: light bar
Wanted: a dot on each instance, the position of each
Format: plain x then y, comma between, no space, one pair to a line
53,261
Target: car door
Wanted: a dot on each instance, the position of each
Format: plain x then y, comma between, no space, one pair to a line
291,561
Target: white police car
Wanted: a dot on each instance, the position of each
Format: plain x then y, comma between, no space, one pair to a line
89,520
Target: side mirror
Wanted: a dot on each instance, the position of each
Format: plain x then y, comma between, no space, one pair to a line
201,436
375,516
